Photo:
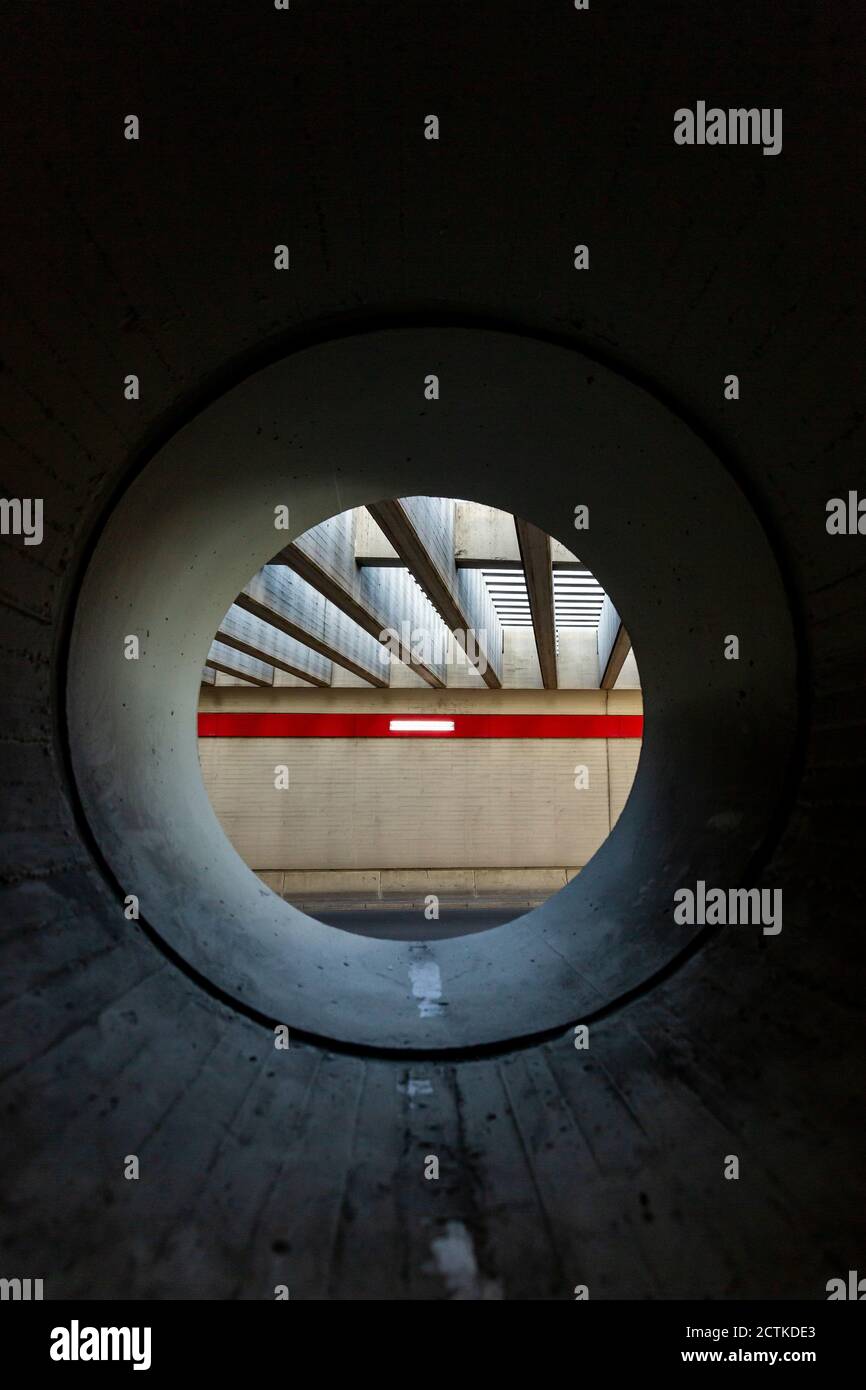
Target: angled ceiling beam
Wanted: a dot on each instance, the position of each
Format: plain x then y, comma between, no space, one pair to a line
250,649
614,645
358,606
404,528
244,633
372,547
618,653
294,607
236,672
484,539
535,554
237,664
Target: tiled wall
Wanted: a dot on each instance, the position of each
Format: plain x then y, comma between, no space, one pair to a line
420,803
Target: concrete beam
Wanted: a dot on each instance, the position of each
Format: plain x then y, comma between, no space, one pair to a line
616,661
534,548
421,530
381,604
614,645
244,633
372,546
484,538
239,664
289,603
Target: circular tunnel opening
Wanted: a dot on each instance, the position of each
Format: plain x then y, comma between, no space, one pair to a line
421,719
537,431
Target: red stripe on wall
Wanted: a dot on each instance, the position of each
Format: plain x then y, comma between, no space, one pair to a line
377,726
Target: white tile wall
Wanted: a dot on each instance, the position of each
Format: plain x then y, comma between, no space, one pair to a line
374,803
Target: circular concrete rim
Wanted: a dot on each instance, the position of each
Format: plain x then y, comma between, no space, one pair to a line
536,429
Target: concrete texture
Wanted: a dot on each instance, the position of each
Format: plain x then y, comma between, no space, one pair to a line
384,885
629,677
422,700
520,659
306,1166
422,880
726,745
577,660
358,804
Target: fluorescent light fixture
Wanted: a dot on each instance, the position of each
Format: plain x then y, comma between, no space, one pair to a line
421,726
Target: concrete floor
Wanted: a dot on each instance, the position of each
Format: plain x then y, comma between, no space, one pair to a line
306,1167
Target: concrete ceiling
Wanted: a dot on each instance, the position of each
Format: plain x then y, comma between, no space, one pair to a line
325,582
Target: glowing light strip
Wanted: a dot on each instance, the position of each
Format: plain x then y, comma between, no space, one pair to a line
421,726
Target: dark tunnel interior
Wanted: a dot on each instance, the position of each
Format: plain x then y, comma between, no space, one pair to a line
559,1165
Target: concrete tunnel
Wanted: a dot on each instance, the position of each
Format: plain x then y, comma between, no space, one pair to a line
560,388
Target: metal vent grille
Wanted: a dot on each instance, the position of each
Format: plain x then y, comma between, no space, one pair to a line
577,597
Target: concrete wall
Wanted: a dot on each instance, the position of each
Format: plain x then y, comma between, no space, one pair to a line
373,804
487,536
576,658
381,885
629,677
484,533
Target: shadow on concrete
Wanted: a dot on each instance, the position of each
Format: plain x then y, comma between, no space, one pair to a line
403,919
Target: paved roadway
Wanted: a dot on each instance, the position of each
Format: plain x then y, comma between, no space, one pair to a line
409,924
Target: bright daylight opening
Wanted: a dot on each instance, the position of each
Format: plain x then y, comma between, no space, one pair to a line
421,719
